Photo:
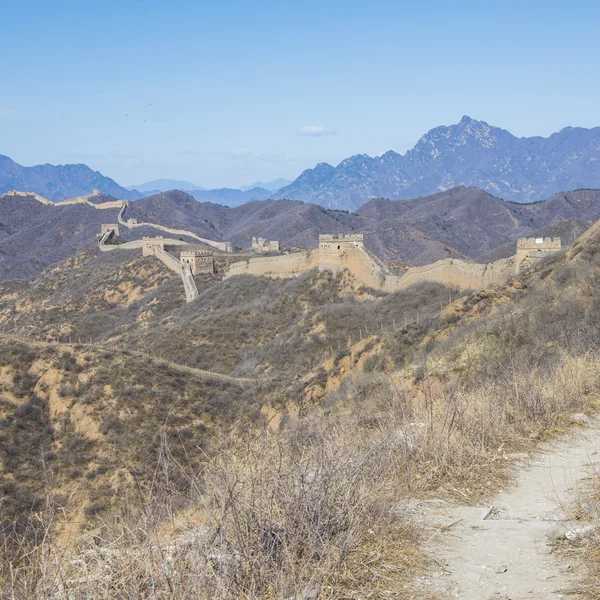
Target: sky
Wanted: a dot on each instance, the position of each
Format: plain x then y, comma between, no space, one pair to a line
227,93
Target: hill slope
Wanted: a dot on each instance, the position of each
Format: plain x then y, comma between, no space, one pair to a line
362,402
230,197
462,222
470,153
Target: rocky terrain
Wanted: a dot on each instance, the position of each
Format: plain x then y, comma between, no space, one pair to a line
470,153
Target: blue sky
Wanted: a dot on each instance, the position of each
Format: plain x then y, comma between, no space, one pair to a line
226,93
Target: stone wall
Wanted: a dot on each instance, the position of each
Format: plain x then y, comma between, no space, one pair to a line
454,273
347,252
361,263
70,201
168,259
284,265
37,197
133,224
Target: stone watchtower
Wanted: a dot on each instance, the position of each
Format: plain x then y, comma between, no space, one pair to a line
531,250
336,243
150,244
109,228
198,262
261,245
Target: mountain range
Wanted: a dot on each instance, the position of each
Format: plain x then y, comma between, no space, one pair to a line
470,153
272,186
164,185
58,182
226,196
466,223
61,182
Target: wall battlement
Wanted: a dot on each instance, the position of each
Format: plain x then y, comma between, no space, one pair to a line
539,242
338,241
347,251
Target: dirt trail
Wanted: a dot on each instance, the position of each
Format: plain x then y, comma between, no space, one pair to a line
507,553
214,375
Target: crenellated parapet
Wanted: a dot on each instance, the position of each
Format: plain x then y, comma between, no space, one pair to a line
337,242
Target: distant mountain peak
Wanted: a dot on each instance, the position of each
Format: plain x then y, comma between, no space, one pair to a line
164,185
470,152
466,120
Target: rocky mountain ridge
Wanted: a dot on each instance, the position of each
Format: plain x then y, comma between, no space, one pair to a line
470,153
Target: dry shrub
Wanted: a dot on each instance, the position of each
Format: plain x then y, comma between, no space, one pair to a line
313,508
284,515
468,427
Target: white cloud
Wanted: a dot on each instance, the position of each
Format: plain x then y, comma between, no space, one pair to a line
315,131
239,152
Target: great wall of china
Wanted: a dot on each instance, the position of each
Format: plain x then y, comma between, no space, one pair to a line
334,253
347,251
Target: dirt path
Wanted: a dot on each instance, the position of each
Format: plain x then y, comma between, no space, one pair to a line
215,376
507,553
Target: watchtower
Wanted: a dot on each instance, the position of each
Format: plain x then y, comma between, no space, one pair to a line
261,245
336,243
150,244
532,250
198,262
109,228
224,246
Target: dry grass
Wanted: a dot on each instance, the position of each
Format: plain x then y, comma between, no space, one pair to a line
282,515
313,508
